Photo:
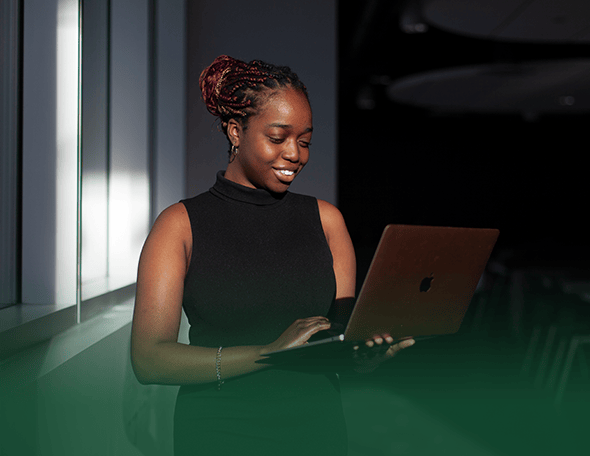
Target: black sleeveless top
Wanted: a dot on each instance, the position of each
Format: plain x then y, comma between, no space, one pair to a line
259,262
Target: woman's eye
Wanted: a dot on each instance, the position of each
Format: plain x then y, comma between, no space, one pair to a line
276,140
305,144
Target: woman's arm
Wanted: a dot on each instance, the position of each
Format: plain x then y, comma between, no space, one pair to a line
345,271
341,248
156,355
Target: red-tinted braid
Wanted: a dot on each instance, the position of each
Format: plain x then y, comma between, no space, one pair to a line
226,76
230,86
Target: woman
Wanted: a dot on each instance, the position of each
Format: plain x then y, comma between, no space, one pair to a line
257,269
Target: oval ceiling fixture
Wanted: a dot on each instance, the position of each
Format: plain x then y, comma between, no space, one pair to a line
549,21
532,87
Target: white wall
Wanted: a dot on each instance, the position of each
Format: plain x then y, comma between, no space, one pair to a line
299,34
129,179
170,101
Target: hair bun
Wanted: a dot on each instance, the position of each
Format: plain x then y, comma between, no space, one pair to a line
232,88
211,80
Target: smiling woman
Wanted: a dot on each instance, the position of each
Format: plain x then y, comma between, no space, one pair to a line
256,269
274,147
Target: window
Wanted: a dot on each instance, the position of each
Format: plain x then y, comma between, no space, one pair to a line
87,153
85,173
92,200
9,151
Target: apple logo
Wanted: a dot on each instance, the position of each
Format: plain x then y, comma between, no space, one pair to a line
426,283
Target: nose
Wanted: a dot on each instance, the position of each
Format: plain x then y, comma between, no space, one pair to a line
291,152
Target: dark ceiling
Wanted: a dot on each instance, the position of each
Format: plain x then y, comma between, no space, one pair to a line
465,112
382,42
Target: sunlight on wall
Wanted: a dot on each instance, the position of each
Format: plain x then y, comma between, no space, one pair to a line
129,193
128,223
67,151
115,173
114,228
94,226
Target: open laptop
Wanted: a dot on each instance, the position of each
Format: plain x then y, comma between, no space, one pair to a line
420,283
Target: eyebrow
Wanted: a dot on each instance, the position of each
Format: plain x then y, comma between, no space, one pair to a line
286,126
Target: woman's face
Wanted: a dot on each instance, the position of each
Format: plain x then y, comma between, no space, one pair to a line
274,147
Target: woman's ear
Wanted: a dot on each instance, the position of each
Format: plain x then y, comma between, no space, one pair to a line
234,129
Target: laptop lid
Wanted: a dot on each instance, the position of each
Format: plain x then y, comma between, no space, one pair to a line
420,281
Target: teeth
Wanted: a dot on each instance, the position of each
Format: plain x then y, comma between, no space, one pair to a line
286,172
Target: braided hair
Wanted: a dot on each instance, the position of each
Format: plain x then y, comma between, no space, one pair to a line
233,89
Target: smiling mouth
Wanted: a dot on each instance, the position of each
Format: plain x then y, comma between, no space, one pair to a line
285,176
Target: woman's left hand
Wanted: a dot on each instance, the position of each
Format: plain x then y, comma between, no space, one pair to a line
376,350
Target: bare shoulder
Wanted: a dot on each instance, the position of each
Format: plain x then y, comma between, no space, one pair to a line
332,220
328,208
173,221
171,230
174,217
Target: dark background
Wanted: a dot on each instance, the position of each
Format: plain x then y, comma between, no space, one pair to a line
503,379
402,164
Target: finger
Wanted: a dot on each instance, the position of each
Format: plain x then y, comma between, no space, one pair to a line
381,338
317,321
321,324
314,322
394,349
314,327
378,340
406,343
312,319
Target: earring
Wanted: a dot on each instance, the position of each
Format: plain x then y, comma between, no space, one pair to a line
233,153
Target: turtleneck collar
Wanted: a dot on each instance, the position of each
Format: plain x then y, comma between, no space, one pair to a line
257,196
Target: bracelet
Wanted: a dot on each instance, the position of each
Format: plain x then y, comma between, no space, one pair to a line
218,368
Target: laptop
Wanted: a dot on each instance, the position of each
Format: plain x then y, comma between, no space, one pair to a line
420,283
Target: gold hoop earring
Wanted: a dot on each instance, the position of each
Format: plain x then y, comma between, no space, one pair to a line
233,153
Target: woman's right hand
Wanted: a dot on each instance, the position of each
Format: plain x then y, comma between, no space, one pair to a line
298,333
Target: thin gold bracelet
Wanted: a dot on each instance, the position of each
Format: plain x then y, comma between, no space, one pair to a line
218,368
